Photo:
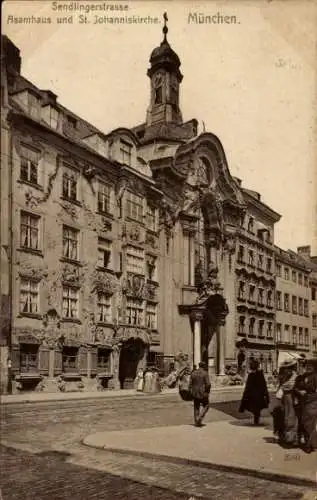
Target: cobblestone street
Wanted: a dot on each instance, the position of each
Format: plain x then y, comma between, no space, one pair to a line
43,457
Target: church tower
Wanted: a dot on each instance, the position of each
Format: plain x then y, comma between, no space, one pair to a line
165,79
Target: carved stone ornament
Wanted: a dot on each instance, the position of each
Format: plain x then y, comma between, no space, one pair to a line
134,286
104,283
210,285
134,232
70,274
28,270
135,333
31,201
70,209
151,240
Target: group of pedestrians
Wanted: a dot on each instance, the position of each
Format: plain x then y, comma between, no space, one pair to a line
295,403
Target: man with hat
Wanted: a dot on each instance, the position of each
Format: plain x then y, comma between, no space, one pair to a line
200,389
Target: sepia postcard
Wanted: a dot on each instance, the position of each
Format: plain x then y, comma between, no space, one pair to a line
158,237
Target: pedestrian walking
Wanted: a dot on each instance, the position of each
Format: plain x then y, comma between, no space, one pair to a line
200,389
309,412
284,414
255,395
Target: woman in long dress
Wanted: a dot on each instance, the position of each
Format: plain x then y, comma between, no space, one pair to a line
309,407
255,396
284,415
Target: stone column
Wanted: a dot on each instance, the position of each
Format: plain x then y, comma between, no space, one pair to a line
220,351
51,363
115,382
89,362
196,316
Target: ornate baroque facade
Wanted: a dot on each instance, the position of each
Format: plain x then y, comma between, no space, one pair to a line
107,236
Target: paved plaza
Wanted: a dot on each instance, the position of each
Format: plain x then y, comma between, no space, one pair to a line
43,455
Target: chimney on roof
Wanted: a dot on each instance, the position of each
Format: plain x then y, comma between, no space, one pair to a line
304,252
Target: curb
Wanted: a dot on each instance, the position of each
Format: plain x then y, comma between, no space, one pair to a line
107,395
244,471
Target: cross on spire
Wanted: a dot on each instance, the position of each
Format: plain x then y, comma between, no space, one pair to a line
165,28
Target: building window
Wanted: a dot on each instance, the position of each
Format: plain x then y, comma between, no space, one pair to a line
294,276
70,181
306,312
294,334
158,95
313,293
135,260
269,330
286,302
104,253
30,231
104,308
269,298
278,332
70,243
261,328
300,278
241,291
189,262
29,164
251,293
286,273
251,258
151,267
279,270
104,360
29,358
52,116
241,254
151,223
70,302
70,359
306,281
241,324
134,312
134,206
151,316
33,105
251,225
260,261
125,152
269,265
294,304
260,296
314,319
300,306
251,326
287,334
71,122
306,339
29,296
300,336
279,301
104,198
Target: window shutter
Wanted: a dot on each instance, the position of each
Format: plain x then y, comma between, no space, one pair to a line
58,363
15,358
44,355
94,360
83,360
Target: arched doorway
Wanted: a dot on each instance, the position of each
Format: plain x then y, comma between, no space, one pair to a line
132,358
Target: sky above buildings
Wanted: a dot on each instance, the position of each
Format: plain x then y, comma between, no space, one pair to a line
252,82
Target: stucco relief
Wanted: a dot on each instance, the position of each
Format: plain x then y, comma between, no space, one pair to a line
103,282
30,270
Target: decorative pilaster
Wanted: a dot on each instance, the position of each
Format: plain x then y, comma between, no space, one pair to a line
196,316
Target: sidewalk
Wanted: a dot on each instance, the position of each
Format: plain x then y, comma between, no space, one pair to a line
33,397
229,446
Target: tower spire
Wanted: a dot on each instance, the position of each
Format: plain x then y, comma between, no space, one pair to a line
165,28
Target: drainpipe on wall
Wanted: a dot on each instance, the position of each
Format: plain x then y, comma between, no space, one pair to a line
10,255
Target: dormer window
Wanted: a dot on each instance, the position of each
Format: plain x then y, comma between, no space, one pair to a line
33,105
71,122
51,116
125,152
